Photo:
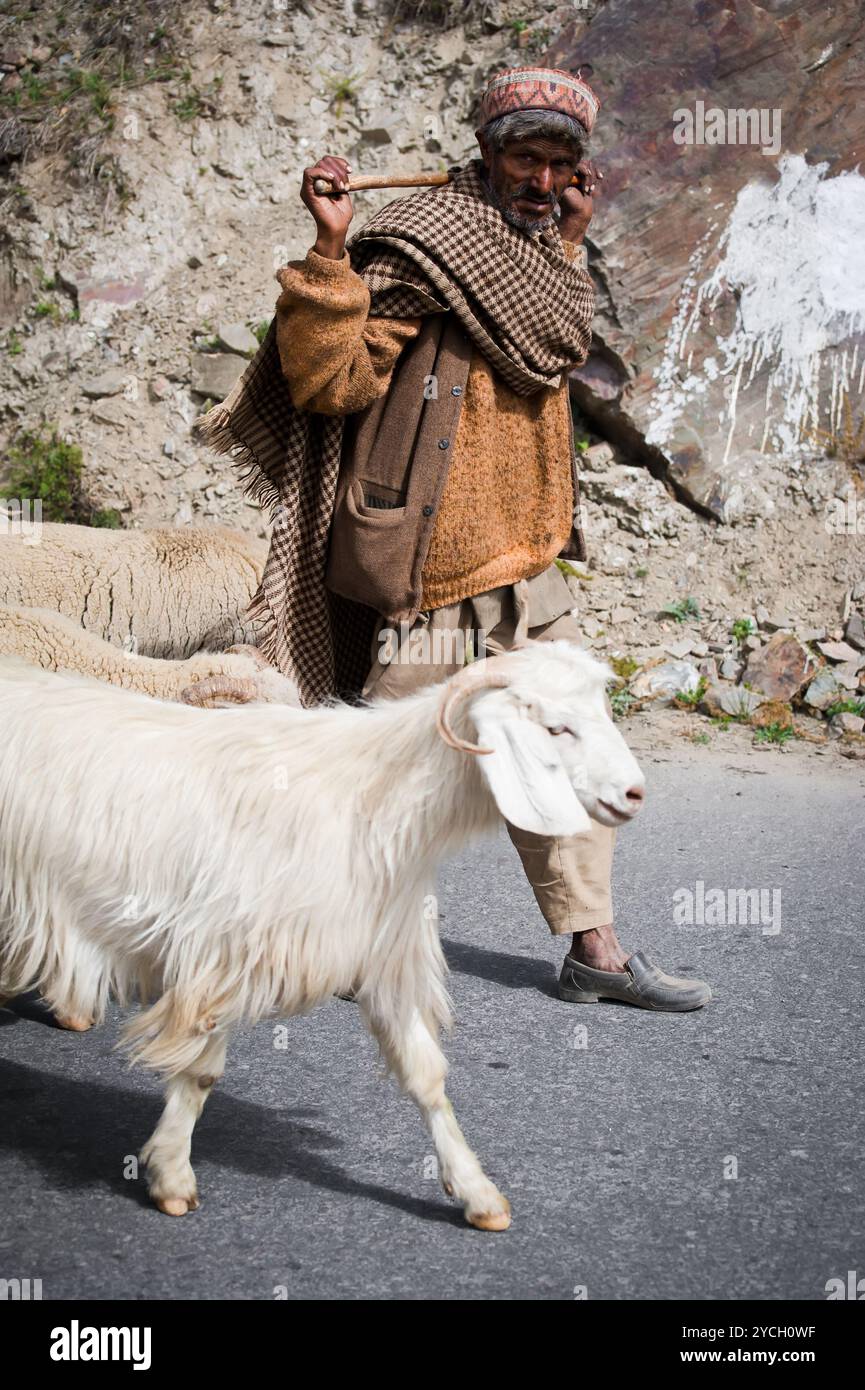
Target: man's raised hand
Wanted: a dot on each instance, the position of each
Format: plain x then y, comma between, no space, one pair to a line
332,211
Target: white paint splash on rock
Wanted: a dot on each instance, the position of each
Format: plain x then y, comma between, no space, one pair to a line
792,254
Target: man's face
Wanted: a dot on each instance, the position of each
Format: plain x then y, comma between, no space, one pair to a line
527,179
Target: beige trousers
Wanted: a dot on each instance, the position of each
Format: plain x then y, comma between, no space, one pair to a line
570,875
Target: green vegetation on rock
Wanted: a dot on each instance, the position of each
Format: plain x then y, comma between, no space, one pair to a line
48,469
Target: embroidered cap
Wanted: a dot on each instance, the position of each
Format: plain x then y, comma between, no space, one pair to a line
540,89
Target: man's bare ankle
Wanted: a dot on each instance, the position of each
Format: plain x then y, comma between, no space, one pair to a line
599,948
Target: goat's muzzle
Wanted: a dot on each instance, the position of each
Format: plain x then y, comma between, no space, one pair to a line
461,688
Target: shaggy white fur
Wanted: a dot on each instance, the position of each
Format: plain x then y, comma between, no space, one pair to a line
233,864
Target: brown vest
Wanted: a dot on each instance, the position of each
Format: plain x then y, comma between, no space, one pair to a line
393,469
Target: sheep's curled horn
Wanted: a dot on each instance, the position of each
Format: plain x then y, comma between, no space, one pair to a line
240,689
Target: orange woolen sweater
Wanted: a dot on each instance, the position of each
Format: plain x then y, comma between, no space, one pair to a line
507,506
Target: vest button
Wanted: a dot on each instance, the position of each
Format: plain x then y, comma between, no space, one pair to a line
427,511
443,443
456,390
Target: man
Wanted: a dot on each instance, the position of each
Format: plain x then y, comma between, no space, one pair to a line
430,436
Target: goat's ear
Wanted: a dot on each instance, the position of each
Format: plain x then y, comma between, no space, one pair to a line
525,773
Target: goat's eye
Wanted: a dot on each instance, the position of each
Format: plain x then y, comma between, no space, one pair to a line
559,729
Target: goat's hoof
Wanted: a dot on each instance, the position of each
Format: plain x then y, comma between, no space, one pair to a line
448,1189
173,1206
174,1191
491,1220
73,1023
177,1206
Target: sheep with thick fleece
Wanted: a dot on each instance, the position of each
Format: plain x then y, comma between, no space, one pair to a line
163,593
251,863
56,643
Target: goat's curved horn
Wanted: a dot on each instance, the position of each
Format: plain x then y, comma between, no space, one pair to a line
254,653
461,688
240,689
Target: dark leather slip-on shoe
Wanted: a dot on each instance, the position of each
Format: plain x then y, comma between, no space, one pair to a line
640,983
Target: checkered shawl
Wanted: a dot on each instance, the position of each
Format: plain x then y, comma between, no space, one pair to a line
524,305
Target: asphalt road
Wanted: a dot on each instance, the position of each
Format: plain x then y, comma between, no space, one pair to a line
617,1154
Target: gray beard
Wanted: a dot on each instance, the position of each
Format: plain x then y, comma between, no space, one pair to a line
526,223
520,220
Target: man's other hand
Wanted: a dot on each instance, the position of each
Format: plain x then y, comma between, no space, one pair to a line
577,203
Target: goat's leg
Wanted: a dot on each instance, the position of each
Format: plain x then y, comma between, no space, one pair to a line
170,1179
76,1023
76,996
420,1065
73,1023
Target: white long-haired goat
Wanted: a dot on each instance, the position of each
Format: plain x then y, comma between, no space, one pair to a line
241,863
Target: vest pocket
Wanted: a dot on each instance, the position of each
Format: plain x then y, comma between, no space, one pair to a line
381,510
381,497
370,554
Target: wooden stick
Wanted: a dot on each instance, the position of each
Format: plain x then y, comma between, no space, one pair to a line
362,181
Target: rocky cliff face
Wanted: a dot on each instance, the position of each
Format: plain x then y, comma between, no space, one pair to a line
128,304
732,325
729,357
